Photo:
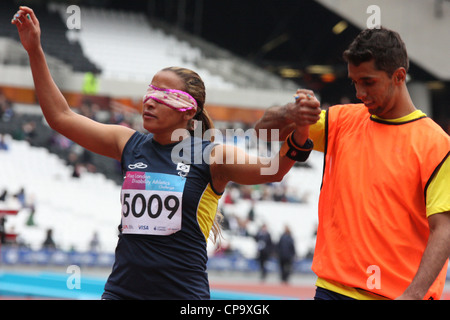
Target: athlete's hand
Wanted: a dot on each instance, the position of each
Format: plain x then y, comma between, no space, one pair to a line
306,109
28,27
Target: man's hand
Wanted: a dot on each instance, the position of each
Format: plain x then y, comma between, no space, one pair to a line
306,109
298,115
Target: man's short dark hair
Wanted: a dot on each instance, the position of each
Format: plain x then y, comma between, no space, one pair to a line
381,44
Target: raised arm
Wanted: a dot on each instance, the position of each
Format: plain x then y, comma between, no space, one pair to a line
107,140
304,111
229,163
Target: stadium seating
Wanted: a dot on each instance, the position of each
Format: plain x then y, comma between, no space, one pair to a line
73,208
125,46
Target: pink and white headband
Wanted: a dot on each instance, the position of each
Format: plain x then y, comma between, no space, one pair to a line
175,99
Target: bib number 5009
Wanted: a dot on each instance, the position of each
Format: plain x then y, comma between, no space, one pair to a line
138,205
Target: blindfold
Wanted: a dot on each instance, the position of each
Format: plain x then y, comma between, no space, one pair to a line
175,99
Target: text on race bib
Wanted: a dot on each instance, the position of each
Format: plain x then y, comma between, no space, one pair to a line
151,203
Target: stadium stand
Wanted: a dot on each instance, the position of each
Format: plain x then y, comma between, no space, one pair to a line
57,200
126,47
130,46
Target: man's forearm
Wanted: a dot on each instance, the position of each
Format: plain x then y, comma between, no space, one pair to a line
275,118
434,257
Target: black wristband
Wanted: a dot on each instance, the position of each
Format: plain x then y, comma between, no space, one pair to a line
295,152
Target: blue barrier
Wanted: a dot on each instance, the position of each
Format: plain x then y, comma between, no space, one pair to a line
242,264
25,256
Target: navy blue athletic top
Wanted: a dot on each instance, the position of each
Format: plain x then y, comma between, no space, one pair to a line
168,208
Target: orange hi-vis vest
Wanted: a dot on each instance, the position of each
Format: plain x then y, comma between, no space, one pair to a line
373,227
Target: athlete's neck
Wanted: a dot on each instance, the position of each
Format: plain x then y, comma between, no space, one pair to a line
402,105
169,138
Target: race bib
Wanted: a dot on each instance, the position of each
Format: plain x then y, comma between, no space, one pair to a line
151,203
